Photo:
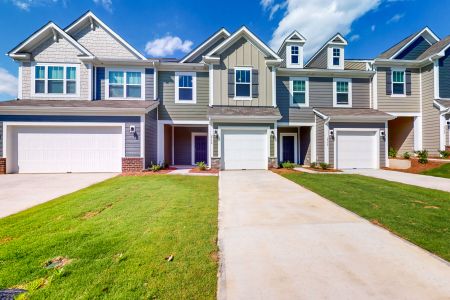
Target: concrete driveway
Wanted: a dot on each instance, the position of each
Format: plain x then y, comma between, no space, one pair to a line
22,191
425,181
281,241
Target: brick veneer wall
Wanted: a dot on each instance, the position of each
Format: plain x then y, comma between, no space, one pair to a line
215,163
2,165
447,148
132,164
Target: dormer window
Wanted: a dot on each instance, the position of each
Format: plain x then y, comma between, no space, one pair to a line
336,56
295,55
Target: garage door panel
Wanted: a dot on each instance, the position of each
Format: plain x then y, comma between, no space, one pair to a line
356,149
67,149
244,149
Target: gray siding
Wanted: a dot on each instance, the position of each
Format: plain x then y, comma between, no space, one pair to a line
149,84
320,146
407,104
291,114
169,110
444,75
151,136
361,93
320,61
430,114
183,142
282,54
1,139
414,50
199,57
132,143
383,141
305,145
320,92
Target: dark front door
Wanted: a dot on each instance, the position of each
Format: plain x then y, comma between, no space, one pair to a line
289,149
200,148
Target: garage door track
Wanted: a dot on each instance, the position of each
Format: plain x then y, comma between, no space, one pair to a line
281,241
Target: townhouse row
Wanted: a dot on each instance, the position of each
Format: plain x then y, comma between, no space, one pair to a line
90,102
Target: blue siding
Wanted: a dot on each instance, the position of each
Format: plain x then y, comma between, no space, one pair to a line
444,75
132,141
1,139
99,83
414,50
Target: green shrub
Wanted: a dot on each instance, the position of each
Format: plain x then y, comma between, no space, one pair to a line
392,153
406,155
444,153
423,156
202,165
324,166
287,165
155,167
313,165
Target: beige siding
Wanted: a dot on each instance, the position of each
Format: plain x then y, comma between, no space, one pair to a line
242,54
430,114
320,146
102,44
50,51
360,93
408,104
169,110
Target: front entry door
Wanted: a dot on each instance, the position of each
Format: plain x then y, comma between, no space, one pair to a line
200,148
289,148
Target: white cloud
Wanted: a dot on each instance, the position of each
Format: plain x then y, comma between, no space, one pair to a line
107,4
395,18
372,28
27,4
23,5
266,3
8,83
354,37
319,20
167,45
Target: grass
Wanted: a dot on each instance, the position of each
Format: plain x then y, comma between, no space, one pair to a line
116,235
442,171
417,214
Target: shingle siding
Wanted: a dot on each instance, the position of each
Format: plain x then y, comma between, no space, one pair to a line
414,50
430,114
169,110
444,75
151,137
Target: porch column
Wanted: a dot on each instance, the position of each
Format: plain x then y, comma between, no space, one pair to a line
418,133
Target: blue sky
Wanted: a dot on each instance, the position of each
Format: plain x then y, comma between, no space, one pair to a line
171,28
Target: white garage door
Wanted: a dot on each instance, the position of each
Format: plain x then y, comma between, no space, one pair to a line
66,149
356,149
244,149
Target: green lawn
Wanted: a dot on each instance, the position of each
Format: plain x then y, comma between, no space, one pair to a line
117,234
442,171
417,214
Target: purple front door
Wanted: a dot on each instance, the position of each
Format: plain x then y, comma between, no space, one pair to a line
201,148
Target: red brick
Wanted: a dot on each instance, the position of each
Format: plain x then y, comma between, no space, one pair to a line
132,164
2,165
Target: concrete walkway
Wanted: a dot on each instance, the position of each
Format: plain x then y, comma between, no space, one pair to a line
425,181
281,241
22,191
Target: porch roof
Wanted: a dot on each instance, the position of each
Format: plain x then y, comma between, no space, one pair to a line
244,112
353,114
445,103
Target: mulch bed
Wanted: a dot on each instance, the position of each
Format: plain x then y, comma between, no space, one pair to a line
149,172
322,170
417,168
210,171
284,171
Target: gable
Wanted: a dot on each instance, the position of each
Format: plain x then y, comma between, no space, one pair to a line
242,53
101,43
55,51
414,50
198,58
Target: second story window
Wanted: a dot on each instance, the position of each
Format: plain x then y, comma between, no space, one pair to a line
294,55
125,84
336,56
299,92
398,82
243,83
342,93
55,80
185,87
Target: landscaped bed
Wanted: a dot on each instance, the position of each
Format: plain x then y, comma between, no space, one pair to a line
144,237
417,214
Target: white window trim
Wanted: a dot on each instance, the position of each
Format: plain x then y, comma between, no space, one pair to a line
291,92
53,95
235,82
194,87
330,58
335,104
282,135
193,135
124,70
289,63
392,82
334,56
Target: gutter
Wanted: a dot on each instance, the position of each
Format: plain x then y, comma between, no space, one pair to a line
245,118
325,72
73,110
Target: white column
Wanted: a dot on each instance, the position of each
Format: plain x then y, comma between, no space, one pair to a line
442,136
326,132
417,133
313,144
210,143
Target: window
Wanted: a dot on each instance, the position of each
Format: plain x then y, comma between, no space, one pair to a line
243,83
125,84
336,56
56,80
185,87
294,55
398,82
299,93
342,92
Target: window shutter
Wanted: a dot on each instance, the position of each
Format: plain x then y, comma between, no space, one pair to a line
100,83
408,82
230,83
388,82
255,83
